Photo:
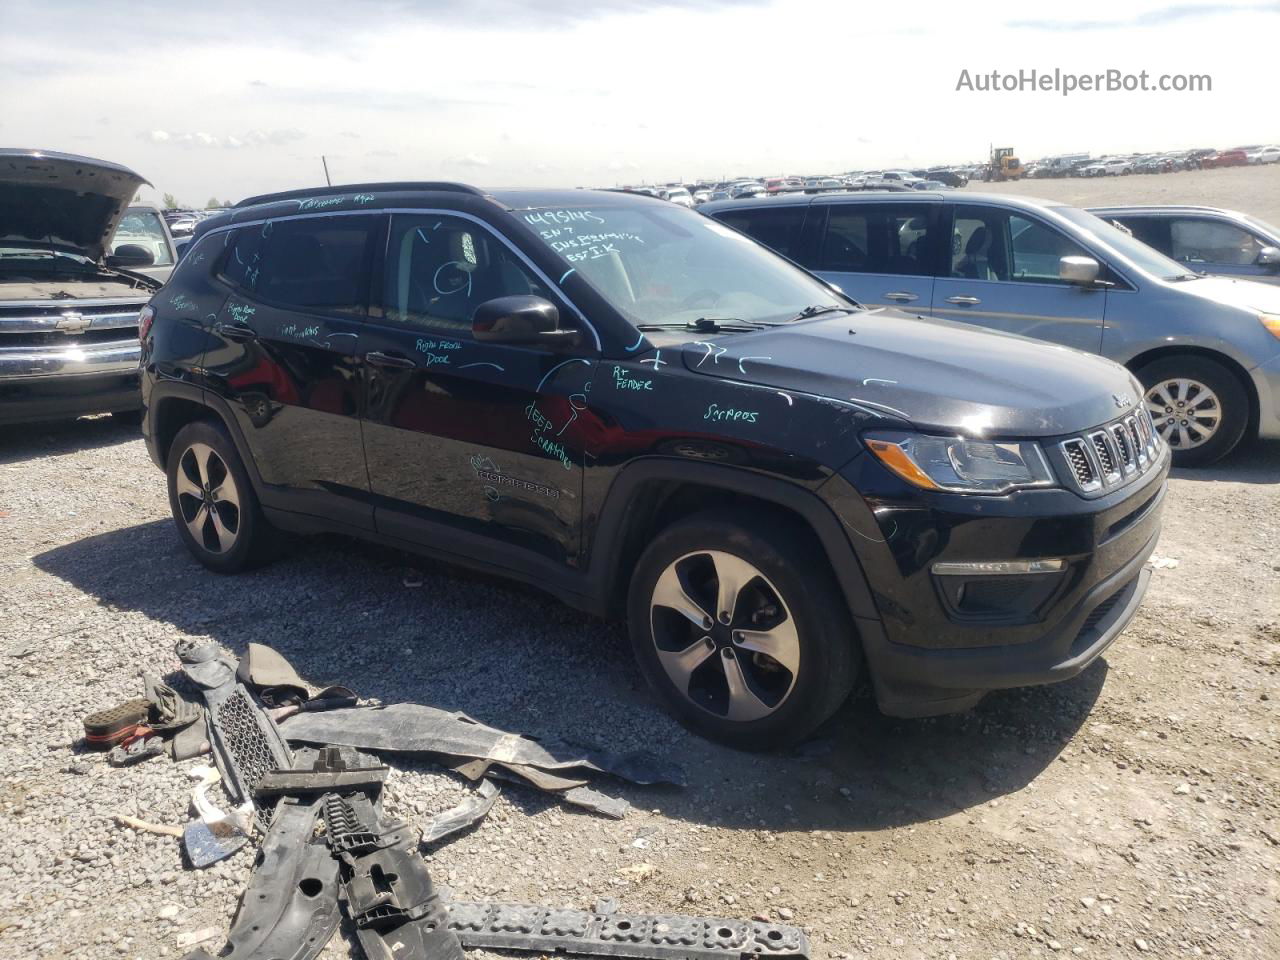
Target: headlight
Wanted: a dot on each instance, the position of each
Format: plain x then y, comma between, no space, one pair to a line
959,465
1272,322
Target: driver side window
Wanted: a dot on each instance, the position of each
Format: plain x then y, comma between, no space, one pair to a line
439,268
1211,241
990,244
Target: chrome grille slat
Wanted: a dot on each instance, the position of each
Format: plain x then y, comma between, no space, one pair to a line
1111,455
1081,464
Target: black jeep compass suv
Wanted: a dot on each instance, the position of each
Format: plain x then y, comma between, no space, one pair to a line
649,415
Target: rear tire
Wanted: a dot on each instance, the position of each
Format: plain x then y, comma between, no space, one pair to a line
1198,406
212,500
715,676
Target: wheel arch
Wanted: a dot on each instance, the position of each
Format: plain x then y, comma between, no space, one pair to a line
1136,363
650,494
172,405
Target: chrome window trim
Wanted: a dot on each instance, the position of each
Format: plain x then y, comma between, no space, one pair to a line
423,211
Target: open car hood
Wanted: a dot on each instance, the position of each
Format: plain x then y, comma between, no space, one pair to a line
62,201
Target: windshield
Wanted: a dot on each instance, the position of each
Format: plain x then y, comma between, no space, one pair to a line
1138,253
659,264
142,228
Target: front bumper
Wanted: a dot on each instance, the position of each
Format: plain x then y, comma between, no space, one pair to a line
65,398
1266,381
61,383
917,682
935,650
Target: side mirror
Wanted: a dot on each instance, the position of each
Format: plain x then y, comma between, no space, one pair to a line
519,319
131,255
1268,257
1081,270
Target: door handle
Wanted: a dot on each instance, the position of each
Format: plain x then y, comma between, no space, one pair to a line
901,296
968,301
378,359
237,332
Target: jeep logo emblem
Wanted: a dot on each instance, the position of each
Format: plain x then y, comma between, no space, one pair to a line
1122,400
70,323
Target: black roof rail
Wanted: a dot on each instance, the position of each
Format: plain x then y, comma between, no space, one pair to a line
400,185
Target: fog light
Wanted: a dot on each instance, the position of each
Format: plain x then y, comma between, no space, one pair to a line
997,568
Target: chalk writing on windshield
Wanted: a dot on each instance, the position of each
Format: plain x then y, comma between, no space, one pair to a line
551,218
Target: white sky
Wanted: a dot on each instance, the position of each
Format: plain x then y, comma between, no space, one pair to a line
236,97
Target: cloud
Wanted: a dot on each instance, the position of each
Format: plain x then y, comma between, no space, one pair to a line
199,138
1152,18
382,153
302,23
472,160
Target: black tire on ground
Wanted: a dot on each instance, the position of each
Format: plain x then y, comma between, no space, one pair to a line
794,566
251,533
1232,398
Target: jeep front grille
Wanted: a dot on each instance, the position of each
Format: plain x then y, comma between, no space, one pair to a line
1103,458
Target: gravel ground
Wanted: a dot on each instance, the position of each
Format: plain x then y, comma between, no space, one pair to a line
1132,810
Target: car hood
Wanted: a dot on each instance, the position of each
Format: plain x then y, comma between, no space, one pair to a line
1246,294
62,201
934,374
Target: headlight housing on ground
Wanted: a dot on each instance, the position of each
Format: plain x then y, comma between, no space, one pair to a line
960,465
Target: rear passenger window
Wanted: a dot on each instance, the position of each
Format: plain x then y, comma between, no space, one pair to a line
314,264
870,238
778,228
440,268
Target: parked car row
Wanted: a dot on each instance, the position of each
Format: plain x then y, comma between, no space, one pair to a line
695,194
1076,165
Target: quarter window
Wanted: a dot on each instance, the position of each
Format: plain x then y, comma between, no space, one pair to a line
440,268
1212,241
314,264
778,228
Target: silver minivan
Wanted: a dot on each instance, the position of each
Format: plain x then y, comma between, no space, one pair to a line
1206,348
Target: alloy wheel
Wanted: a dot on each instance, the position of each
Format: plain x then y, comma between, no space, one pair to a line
1186,412
725,636
208,499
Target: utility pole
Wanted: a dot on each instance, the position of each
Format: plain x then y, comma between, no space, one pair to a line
326,170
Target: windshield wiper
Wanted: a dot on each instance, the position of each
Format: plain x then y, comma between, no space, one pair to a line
818,309
1185,276
708,325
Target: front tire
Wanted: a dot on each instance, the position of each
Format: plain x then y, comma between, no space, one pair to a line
1199,407
212,500
744,638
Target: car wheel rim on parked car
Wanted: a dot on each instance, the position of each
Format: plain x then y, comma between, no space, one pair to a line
208,499
1186,412
725,636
